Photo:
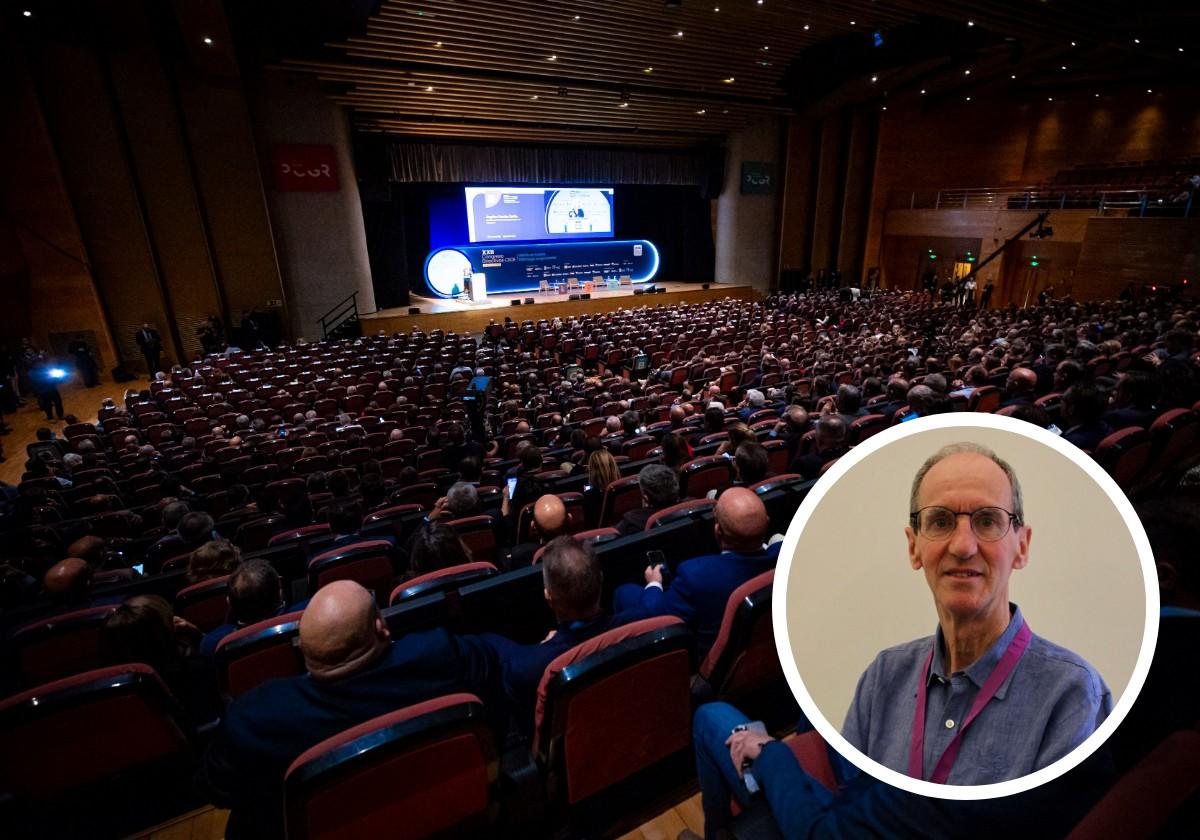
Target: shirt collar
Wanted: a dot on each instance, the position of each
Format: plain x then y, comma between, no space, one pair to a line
978,671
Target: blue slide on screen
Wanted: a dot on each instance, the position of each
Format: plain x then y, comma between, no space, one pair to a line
537,214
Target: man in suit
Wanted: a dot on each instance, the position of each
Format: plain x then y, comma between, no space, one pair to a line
660,489
151,347
829,445
355,673
1132,401
702,585
1020,387
572,583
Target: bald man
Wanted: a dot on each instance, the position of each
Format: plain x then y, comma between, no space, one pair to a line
355,672
549,521
1020,387
69,582
702,585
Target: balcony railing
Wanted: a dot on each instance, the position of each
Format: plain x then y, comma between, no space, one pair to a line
1105,202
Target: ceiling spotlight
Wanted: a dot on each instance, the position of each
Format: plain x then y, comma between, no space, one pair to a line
970,23
922,91
623,105
716,8
1137,40
208,42
760,2
553,58
1072,43
853,23
1062,67
1013,76
766,47
885,107
1049,98
1148,90
730,80
429,89
27,13
1097,96
806,28
968,99
534,97
648,70
437,44
966,72
874,78
576,17
679,34
1180,49
702,111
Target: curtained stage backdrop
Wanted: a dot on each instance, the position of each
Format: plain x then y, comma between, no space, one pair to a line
675,216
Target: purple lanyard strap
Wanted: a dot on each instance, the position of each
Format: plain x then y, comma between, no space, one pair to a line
916,751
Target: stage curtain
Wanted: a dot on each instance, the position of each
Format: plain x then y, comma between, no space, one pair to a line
465,164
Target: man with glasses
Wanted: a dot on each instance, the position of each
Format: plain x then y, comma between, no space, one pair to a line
983,699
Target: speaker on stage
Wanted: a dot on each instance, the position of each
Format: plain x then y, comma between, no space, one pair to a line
516,302
528,301
585,296
414,310
660,291
705,286
639,291
572,297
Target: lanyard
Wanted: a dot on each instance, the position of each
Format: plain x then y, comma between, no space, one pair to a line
916,751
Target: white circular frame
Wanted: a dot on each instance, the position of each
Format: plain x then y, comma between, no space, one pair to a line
967,422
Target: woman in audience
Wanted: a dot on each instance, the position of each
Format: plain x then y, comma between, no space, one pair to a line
602,470
435,546
215,558
144,629
675,451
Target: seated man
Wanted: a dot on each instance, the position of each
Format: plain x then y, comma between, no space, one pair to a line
660,489
572,581
829,445
255,594
549,521
702,585
1132,401
1020,387
345,521
355,673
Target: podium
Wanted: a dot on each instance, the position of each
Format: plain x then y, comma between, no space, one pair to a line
478,287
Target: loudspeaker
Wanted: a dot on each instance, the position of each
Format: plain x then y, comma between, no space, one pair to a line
585,296
660,291
516,302
572,297
414,310
120,374
639,291
528,301
705,286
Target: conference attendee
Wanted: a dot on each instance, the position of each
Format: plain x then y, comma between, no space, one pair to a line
1020,387
983,700
345,521
215,558
151,346
549,521
986,296
1083,416
702,585
434,546
44,377
829,445
847,404
750,466
572,583
791,427
255,594
145,629
1132,401
356,672
660,489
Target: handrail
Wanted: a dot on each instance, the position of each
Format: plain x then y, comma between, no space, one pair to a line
1129,202
343,312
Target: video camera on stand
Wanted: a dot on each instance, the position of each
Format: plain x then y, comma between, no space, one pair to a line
475,399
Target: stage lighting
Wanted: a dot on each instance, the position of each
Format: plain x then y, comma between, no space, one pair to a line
57,373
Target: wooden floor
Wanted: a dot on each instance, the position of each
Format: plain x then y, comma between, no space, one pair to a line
209,824
83,402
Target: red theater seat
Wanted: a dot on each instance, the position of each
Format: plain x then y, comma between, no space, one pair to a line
442,580
423,771
259,652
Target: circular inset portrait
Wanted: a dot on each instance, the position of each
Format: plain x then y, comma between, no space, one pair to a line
966,606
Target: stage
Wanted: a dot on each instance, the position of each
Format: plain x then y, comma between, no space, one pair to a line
463,315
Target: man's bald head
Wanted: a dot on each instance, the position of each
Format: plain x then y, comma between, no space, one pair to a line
550,515
341,631
1021,381
69,580
90,549
742,521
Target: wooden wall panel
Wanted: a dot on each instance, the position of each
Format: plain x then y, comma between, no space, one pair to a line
795,244
856,202
1117,252
831,171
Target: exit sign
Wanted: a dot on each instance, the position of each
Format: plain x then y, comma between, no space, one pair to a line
758,178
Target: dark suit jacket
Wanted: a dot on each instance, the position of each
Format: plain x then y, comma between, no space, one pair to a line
266,728
1120,418
810,465
702,587
153,344
634,521
523,665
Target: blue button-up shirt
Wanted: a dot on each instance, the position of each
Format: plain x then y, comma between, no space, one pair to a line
1051,703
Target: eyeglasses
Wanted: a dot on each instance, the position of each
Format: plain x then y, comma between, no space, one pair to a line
988,523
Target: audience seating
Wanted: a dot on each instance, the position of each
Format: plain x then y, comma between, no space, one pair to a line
1124,455
204,604
442,580
60,645
478,535
593,726
699,475
678,511
259,652
368,562
620,497
422,771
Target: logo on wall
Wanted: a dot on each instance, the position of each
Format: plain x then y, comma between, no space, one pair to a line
304,168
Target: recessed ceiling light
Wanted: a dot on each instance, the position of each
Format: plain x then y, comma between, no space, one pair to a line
716,8
623,105
1049,98
968,99
648,70
534,97
766,47
1137,40
1062,67
1181,49
1013,76
437,44
429,89
576,17
1148,90
1072,43
760,2
702,111
853,22
679,34
208,42
970,23
885,107
27,13
806,28
553,58
1097,96
966,72
874,78
730,80
922,91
